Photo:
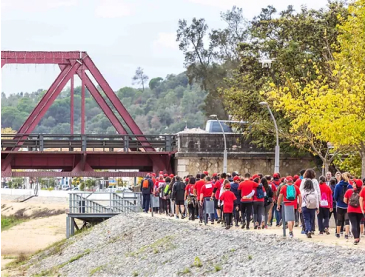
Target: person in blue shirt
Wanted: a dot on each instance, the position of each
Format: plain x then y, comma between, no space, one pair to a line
342,216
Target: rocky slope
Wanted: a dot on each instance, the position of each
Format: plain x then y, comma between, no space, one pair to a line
136,245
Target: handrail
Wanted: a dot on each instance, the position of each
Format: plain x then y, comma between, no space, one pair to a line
125,143
114,203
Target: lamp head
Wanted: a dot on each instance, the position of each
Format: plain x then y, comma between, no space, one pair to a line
263,103
213,116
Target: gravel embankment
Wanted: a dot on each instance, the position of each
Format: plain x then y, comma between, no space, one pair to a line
136,245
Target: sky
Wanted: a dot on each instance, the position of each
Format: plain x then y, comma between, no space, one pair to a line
119,35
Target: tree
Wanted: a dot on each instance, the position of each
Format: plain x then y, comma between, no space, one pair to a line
155,82
331,105
209,65
140,78
295,40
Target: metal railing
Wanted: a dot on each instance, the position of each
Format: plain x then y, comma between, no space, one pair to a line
89,142
104,203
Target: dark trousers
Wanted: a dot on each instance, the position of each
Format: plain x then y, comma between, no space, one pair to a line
146,202
191,211
258,211
236,214
355,219
246,209
228,217
309,215
165,206
277,214
323,219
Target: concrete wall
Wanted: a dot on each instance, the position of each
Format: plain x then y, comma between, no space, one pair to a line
200,152
185,165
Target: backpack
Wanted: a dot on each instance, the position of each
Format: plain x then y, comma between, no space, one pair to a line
268,197
324,200
310,200
290,193
260,192
354,200
145,184
342,192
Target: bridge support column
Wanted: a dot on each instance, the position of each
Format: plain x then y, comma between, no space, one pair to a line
68,220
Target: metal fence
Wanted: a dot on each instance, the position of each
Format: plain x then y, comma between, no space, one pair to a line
88,142
104,203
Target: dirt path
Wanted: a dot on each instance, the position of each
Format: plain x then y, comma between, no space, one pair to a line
321,239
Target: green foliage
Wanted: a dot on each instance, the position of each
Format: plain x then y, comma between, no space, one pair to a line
9,221
197,262
158,109
217,268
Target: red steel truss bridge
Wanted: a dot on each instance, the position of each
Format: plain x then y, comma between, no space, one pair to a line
69,155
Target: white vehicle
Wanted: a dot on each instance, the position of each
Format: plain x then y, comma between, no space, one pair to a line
229,126
65,187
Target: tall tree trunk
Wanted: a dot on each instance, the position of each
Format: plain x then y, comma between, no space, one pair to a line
326,165
362,154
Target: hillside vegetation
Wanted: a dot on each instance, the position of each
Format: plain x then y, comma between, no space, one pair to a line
167,106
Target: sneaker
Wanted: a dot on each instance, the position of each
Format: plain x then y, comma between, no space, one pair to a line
212,222
255,227
356,242
309,235
296,224
177,217
326,231
321,233
280,223
219,220
312,232
182,217
302,232
337,235
227,227
291,235
270,225
346,236
247,228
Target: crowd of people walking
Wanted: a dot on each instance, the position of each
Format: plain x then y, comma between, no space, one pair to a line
237,200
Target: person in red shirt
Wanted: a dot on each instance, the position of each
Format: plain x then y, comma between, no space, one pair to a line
362,207
290,218
354,212
325,206
258,202
215,195
247,191
228,197
198,185
205,196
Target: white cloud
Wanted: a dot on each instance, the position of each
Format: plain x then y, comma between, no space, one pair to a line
113,9
166,40
226,4
36,5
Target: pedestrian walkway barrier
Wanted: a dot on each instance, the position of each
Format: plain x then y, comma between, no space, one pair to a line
92,208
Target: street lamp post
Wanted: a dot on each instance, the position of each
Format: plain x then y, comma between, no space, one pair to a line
277,147
225,144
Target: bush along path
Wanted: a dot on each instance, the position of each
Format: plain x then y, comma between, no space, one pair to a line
136,245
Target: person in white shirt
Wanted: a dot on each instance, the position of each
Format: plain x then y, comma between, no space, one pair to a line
309,174
310,205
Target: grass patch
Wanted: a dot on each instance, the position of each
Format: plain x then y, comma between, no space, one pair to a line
135,273
161,245
217,268
86,252
96,270
9,257
19,260
250,257
185,271
54,270
233,250
10,221
197,262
